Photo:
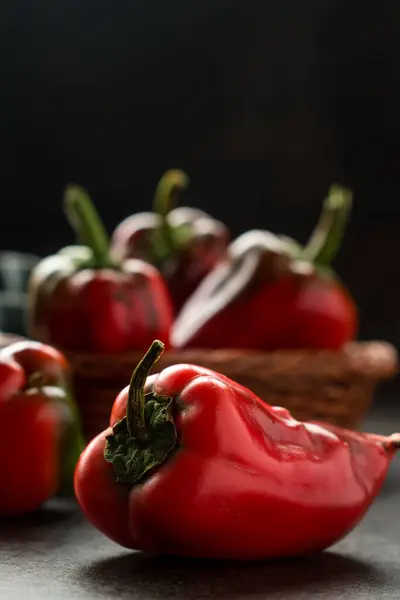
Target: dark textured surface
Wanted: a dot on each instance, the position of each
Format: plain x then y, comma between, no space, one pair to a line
56,554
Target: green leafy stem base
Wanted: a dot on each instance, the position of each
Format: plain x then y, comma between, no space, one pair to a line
133,458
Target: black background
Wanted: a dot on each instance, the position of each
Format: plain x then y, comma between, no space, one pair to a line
264,104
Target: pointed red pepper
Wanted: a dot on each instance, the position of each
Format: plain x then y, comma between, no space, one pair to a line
39,427
271,294
183,243
196,465
81,299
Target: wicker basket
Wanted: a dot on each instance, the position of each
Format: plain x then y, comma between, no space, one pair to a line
337,387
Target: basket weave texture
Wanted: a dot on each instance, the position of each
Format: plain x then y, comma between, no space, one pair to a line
337,387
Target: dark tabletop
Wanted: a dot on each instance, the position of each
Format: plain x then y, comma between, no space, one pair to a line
57,554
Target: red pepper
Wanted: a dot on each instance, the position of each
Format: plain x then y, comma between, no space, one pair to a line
196,465
271,294
39,427
81,299
183,243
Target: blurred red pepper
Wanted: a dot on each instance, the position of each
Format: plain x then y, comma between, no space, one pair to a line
184,243
81,299
195,464
39,427
271,294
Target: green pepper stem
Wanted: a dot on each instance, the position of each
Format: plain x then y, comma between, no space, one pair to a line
136,398
167,191
85,221
326,238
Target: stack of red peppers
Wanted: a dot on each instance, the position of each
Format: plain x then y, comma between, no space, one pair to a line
172,274
288,296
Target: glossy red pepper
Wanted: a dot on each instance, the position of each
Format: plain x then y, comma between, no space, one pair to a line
184,243
271,294
196,465
81,299
39,427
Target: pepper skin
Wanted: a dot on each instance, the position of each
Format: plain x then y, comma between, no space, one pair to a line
272,294
82,300
194,464
39,427
184,243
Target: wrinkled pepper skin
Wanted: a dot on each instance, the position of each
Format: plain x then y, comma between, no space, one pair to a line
184,243
80,300
242,480
271,294
39,427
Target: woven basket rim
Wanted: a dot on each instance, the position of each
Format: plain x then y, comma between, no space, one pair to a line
368,359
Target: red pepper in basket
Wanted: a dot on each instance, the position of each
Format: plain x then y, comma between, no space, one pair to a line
39,427
197,465
81,299
271,294
184,243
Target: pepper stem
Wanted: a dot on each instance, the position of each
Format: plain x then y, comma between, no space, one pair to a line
136,398
85,221
326,238
167,191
